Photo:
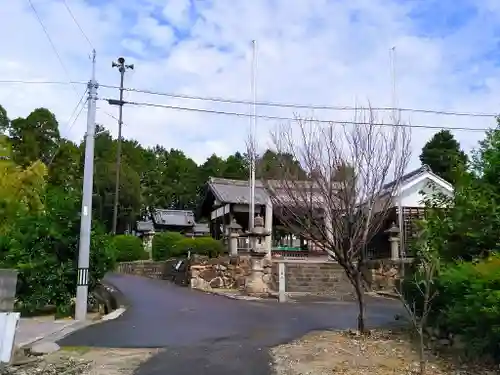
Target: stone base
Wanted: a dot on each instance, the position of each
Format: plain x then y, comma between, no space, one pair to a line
256,288
255,285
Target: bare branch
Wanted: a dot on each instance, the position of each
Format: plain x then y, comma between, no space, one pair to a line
353,172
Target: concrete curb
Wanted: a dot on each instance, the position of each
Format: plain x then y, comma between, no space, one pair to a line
30,342
234,296
73,325
382,294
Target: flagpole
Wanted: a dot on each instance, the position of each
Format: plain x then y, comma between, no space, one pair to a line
253,129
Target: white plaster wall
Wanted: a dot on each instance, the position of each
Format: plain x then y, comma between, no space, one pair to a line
414,196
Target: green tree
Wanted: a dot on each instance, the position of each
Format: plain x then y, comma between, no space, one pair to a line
236,167
4,120
214,166
272,165
65,168
20,188
443,155
35,137
43,247
486,159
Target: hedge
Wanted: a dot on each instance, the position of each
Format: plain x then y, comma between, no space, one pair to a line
129,248
172,244
201,246
164,244
467,303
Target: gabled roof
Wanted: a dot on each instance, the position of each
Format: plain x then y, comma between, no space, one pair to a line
237,191
179,218
416,175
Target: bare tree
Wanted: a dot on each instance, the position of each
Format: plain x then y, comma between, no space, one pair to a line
347,195
419,305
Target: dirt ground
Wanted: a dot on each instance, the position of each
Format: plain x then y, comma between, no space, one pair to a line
382,353
83,361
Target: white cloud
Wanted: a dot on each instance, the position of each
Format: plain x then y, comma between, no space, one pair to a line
314,52
177,12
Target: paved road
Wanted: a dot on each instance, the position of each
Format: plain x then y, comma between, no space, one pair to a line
205,334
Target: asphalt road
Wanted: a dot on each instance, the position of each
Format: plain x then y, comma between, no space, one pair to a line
205,334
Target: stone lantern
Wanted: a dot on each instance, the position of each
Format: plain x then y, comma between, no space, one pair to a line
255,284
393,232
234,232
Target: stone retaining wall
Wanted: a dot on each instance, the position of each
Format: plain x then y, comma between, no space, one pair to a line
320,278
224,272
154,270
301,276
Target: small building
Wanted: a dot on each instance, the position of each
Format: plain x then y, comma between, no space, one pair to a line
181,221
415,187
226,199
172,220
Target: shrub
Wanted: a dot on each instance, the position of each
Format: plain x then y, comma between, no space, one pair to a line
129,248
164,245
468,303
201,246
43,247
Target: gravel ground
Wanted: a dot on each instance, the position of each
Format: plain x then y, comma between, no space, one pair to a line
382,353
83,361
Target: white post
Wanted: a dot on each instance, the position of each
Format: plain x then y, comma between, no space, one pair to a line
281,282
8,326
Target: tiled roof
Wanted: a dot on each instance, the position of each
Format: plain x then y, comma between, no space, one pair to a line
408,177
178,218
237,191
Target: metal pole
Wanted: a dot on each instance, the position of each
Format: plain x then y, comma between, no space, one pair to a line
252,136
121,68
118,153
402,249
86,213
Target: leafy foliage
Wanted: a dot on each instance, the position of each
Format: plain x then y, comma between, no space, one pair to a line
199,245
467,303
165,245
20,188
443,155
43,246
168,245
35,137
129,248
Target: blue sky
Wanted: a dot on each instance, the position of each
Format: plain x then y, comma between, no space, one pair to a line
328,52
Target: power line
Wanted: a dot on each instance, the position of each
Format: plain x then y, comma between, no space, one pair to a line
48,37
267,104
77,24
240,114
71,125
9,81
304,106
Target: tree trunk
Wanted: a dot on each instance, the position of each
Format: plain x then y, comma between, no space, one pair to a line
360,295
422,351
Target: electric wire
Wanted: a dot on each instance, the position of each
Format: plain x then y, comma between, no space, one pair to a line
78,105
77,24
283,118
303,106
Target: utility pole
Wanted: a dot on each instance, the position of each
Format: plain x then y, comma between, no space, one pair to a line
122,67
86,213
